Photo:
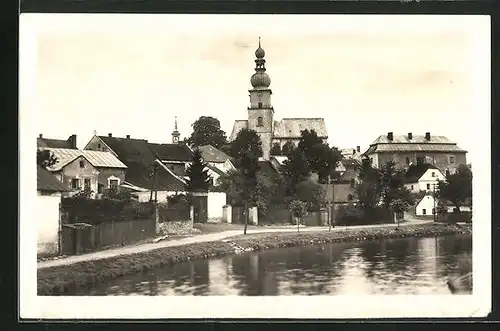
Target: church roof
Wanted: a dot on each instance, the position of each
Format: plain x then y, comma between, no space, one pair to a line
292,127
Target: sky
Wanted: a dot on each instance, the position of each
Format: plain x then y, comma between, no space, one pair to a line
366,75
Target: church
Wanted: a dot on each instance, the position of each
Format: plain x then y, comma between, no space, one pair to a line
261,114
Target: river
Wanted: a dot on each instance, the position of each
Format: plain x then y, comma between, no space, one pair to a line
389,266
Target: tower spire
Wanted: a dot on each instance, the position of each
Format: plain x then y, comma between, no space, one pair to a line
175,134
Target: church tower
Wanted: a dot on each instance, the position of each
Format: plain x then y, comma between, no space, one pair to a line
175,134
260,111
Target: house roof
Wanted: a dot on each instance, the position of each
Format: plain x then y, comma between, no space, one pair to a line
292,127
53,143
97,158
350,163
211,154
415,172
216,170
45,181
137,155
401,143
172,152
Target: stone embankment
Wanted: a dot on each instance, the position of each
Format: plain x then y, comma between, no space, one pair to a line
60,280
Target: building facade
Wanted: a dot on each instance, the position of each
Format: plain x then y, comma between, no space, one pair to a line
407,150
261,114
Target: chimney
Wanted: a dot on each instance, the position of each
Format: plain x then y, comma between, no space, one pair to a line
410,136
40,135
358,149
110,135
427,136
390,136
72,141
128,136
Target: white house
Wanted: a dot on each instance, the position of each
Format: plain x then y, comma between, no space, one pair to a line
49,193
426,206
423,177
216,158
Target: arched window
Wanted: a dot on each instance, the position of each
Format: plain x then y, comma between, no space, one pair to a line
260,121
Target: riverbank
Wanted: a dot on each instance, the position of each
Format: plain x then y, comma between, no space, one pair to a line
59,280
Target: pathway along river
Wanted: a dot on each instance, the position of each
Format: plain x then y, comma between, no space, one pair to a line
395,266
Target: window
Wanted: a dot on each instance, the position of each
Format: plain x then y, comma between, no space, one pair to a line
99,146
260,105
86,184
100,188
82,164
433,174
113,184
424,212
428,186
260,121
407,160
447,172
75,183
420,159
352,183
452,159
349,197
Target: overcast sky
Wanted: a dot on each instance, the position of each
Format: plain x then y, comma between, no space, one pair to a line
366,75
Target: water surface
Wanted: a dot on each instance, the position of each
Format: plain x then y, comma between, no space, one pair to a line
395,266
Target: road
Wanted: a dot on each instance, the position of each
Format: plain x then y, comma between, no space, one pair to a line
127,250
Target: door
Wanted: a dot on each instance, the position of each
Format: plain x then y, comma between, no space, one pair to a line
200,206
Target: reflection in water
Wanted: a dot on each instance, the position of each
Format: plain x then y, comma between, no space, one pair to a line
397,266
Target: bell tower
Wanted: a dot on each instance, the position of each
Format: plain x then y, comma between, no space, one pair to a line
260,111
175,134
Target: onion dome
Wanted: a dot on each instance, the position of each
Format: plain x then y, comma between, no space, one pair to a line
260,53
260,79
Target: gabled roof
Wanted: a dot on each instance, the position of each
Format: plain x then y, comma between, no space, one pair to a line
45,181
211,154
292,127
172,152
54,143
97,158
350,163
415,172
137,155
216,170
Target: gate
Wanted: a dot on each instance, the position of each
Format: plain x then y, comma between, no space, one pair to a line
238,214
200,209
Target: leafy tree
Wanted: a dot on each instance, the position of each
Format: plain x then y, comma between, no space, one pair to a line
312,193
207,131
45,158
288,148
247,142
199,179
457,188
276,149
369,188
295,170
393,185
298,209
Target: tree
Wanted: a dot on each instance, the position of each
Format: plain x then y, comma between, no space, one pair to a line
369,188
199,180
207,131
457,188
276,149
393,185
246,142
312,193
287,148
298,209
45,158
295,170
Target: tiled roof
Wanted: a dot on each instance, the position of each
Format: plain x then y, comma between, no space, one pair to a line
216,170
267,167
45,181
401,143
139,157
97,158
350,163
212,154
292,127
53,143
172,152
237,127
415,172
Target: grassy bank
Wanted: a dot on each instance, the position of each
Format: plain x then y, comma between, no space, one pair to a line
63,279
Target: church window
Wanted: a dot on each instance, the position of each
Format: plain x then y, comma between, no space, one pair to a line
260,121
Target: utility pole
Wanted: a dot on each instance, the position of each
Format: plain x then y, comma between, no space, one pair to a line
434,198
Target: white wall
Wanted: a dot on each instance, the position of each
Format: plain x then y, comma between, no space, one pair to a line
462,208
426,203
216,200
427,181
161,195
47,221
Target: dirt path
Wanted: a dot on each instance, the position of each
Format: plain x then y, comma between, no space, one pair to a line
195,239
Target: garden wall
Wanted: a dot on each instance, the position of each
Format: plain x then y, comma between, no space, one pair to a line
178,220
